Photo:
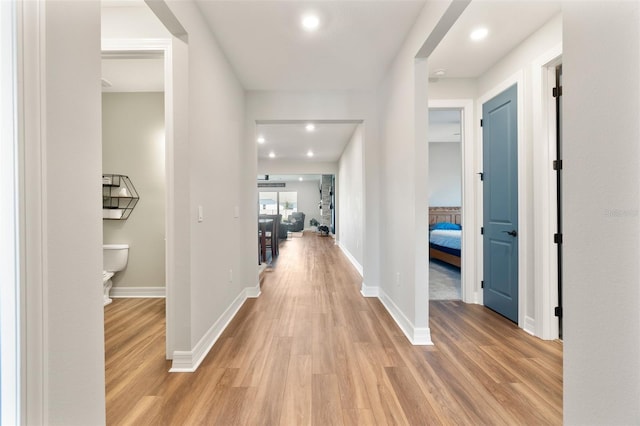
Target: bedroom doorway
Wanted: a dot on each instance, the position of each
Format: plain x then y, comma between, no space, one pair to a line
445,203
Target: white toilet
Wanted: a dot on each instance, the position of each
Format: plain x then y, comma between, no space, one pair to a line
114,259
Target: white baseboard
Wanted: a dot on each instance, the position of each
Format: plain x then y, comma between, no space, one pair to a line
137,292
352,259
368,291
530,325
417,336
189,361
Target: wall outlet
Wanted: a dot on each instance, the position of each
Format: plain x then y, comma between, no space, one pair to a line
200,214
230,275
397,279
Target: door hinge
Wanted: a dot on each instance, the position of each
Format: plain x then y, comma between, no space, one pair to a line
557,91
557,238
482,230
557,164
482,284
481,122
558,311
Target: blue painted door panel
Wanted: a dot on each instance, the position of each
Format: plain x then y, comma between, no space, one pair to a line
500,167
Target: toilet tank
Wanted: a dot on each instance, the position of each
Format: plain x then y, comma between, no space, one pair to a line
114,257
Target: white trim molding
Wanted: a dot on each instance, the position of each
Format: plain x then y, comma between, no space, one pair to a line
189,361
351,258
368,291
416,335
544,192
470,285
138,292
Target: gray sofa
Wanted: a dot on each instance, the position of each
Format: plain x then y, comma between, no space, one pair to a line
294,223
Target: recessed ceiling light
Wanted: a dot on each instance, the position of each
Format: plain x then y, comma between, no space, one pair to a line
479,34
300,178
272,154
310,22
440,72
309,153
261,139
310,127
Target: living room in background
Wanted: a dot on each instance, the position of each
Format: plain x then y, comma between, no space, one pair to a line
284,203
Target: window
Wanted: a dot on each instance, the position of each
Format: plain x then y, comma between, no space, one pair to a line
284,203
288,203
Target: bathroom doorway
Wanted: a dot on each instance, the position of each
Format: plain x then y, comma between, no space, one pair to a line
133,145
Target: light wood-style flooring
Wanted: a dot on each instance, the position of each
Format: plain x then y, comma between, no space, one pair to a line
312,350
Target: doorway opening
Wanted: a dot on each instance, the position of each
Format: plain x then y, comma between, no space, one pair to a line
445,203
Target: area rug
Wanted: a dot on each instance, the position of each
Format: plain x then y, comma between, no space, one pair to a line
444,281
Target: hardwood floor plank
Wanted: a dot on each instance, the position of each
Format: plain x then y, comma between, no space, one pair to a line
312,351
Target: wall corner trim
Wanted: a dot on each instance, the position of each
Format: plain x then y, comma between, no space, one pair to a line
416,335
138,292
189,361
367,291
530,325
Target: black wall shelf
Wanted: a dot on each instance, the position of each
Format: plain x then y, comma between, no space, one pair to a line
119,197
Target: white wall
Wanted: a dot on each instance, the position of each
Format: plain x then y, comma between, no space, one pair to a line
445,174
404,175
601,93
350,188
134,21
215,120
133,144
65,358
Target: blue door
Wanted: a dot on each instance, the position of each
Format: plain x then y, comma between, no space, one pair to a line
500,177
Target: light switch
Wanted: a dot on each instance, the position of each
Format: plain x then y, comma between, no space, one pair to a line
200,214
236,212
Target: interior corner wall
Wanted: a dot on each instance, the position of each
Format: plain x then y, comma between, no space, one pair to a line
601,243
218,265
350,189
403,277
74,386
133,144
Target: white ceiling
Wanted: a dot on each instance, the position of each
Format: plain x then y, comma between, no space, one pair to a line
355,44
509,23
352,49
291,141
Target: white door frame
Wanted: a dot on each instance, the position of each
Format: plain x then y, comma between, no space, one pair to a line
469,283
164,46
544,192
525,322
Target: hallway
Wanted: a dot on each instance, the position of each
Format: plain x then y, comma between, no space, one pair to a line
312,350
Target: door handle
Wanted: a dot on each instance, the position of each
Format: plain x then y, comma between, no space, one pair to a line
513,233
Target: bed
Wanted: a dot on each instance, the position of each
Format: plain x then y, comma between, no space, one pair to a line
445,234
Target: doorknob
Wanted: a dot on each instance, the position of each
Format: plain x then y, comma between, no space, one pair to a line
513,233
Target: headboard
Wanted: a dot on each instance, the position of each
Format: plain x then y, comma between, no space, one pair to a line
445,214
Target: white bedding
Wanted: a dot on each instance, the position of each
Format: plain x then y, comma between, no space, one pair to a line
446,238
